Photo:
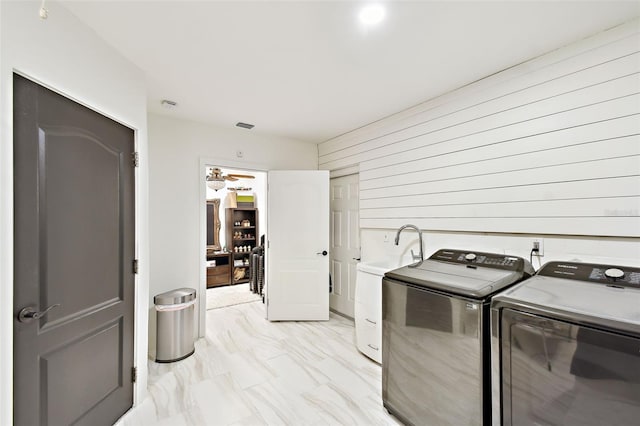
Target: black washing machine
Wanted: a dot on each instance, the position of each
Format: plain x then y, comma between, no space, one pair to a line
566,347
435,335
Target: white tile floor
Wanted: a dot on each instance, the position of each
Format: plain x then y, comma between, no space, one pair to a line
249,371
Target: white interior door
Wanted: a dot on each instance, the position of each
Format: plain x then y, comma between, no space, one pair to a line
345,242
298,245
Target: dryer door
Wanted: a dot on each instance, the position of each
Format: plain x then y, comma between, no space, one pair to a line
558,373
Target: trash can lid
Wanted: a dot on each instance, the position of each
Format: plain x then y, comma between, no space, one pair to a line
179,295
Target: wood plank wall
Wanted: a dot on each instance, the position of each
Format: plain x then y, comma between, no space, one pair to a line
550,146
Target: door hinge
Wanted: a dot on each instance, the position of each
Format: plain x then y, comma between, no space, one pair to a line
134,374
135,266
135,159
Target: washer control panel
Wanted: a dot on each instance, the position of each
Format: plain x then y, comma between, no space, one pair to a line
616,276
476,259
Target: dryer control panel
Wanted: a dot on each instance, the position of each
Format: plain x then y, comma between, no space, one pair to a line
487,260
623,276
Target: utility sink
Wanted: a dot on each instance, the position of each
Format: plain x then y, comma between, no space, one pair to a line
378,267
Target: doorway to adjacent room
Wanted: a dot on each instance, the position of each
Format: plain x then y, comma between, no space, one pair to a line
235,229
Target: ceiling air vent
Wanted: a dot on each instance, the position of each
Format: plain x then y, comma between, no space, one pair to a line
167,104
245,125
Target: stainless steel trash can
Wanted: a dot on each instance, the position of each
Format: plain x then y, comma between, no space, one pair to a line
174,330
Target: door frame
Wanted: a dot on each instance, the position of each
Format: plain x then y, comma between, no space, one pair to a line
141,286
202,229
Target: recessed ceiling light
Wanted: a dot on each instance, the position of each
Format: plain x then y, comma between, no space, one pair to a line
166,103
245,125
372,14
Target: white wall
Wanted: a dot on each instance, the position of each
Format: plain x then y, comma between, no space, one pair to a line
377,244
547,149
179,151
548,146
65,55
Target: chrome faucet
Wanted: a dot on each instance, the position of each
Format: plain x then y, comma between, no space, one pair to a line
417,259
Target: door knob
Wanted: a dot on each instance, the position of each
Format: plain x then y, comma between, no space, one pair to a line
323,252
29,314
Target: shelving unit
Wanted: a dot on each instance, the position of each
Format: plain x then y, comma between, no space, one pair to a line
242,236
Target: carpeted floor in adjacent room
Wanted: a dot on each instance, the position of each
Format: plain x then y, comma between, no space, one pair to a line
220,297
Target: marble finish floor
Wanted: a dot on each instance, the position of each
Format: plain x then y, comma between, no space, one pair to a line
249,371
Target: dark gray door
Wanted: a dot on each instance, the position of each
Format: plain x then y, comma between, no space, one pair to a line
74,247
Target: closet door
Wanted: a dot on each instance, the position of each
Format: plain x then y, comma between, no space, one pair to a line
74,251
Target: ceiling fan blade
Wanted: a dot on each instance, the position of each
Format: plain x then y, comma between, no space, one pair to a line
231,178
241,176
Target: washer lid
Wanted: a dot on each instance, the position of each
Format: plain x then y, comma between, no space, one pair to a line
580,291
466,273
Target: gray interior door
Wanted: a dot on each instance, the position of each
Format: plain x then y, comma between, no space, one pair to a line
74,248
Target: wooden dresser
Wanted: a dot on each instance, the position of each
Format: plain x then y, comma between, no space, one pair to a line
220,274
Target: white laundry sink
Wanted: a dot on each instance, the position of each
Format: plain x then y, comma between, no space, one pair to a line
378,267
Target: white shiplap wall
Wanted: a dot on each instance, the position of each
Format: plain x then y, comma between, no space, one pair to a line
550,146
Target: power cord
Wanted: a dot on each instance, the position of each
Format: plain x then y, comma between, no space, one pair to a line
537,251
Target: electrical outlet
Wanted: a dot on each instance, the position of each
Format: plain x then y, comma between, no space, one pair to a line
239,154
539,244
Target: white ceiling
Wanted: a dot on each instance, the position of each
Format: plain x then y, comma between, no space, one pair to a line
307,70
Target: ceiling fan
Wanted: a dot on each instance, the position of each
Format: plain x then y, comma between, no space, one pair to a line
216,180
